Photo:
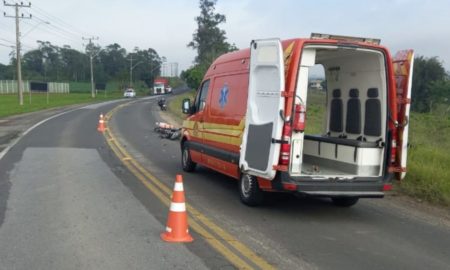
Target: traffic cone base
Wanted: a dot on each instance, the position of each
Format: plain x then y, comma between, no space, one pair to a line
177,224
168,238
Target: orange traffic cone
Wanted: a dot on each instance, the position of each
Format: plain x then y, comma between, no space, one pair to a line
101,124
177,225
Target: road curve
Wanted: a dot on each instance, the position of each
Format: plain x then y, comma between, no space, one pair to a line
66,202
291,232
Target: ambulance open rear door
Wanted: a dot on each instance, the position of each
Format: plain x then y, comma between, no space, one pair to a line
260,147
403,63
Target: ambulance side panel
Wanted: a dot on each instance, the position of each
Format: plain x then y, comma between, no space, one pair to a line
224,122
223,117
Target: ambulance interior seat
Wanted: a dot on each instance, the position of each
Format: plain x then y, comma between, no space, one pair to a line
352,141
372,114
336,113
353,119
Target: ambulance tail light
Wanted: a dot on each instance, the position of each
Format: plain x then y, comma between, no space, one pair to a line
387,187
285,150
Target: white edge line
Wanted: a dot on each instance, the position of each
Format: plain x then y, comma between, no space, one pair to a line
11,145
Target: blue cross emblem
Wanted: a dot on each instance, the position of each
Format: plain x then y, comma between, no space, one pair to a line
223,100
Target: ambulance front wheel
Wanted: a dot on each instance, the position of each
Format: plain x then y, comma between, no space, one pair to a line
186,160
249,190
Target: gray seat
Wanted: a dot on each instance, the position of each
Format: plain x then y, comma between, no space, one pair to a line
336,113
353,119
372,116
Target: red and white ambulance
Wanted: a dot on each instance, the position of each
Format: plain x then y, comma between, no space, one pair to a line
248,118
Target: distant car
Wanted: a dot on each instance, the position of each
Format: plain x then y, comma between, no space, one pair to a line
129,93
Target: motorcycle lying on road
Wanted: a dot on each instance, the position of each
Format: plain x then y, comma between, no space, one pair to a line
167,131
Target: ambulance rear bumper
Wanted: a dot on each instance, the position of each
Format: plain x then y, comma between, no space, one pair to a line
362,187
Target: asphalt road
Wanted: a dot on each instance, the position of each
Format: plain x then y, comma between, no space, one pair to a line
64,205
291,232
67,202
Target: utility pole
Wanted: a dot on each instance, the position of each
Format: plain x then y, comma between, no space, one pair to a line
19,68
131,69
91,56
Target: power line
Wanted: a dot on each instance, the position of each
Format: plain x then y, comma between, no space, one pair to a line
58,21
56,34
12,42
59,29
9,46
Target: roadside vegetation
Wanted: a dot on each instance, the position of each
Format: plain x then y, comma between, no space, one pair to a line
51,63
175,82
80,92
174,106
208,40
111,87
428,175
10,106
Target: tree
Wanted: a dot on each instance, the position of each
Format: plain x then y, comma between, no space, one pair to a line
33,65
51,57
4,72
73,64
209,41
426,72
52,63
148,65
440,95
113,58
193,76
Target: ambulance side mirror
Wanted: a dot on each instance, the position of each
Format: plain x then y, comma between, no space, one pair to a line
186,106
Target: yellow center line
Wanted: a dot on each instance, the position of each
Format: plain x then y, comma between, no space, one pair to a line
213,241
163,192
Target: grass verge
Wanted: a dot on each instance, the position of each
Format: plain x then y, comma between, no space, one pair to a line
428,175
9,104
174,106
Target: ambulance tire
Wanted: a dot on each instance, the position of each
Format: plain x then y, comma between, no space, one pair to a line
249,190
186,160
344,201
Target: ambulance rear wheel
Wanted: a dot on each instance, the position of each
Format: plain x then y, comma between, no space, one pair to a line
345,201
186,160
249,190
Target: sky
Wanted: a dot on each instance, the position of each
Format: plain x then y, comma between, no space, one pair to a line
167,26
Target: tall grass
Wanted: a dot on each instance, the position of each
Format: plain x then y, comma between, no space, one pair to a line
175,104
428,175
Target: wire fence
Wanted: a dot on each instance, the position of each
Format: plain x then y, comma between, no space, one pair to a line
10,87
